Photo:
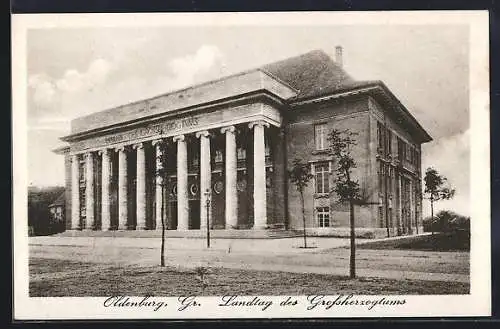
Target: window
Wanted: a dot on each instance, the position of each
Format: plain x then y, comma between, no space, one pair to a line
380,137
241,153
320,136
388,142
381,176
322,177
323,216
218,156
401,150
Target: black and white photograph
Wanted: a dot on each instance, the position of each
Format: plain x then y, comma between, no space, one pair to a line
246,165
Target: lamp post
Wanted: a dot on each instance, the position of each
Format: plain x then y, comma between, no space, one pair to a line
207,194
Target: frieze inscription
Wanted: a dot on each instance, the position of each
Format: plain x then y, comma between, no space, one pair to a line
138,133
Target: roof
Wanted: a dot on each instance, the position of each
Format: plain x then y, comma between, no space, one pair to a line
311,74
60,201
294,80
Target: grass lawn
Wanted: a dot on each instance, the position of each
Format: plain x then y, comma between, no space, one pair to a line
436,242
57,278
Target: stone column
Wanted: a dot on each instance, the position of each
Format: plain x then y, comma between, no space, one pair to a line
205,177
231,196
259,175
182,182
105,188
141,187
75,192
122,189
158,144
89,191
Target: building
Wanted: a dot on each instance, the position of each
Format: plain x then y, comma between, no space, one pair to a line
235,137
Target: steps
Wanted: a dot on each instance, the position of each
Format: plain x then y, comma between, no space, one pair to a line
196,234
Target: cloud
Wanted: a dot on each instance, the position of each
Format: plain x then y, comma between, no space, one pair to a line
189,68
450,156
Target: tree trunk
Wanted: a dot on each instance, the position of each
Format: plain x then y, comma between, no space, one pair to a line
162,227
303,217
432,216
352,262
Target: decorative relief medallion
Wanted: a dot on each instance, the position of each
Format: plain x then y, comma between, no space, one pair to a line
193,189
218,187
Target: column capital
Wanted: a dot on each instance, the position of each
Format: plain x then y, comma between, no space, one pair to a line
88,155
179,138
158,142
203,133
122,148
103,151
230,129
138,146
258,123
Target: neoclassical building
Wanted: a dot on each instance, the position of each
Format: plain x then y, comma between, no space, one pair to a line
232,140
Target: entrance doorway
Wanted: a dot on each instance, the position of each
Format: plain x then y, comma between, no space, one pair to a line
194,214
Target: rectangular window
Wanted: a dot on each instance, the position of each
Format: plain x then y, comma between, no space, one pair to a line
381,176
380,137
401,150
320,136
323,216
322,177
389,142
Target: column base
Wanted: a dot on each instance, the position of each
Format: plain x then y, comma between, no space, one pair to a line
259,227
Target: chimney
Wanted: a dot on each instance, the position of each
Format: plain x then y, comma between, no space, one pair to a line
338,55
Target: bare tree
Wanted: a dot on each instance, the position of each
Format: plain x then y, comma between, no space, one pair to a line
346,188
300,175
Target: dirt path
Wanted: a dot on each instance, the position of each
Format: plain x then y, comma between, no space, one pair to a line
394,264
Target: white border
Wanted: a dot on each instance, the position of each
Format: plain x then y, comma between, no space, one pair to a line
475,304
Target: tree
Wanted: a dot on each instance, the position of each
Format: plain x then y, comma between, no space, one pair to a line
436,189
300,175
347,189
161,173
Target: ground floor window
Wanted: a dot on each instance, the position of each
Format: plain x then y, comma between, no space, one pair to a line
323,216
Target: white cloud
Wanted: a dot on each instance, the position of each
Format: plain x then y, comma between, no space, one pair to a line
189,68
450,156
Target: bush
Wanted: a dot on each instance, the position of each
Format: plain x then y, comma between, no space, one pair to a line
447,222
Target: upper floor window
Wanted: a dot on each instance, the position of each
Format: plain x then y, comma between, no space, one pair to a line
380,137
218,156
323,216
388,142
320,136
322,177
241,153
401,149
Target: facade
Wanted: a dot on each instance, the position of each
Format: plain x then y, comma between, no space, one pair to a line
231,141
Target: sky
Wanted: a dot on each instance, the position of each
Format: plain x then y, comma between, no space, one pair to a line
74,72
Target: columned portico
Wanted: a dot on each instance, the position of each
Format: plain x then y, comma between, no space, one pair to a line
75,192
231,200
205,176
259,175
182,180
89,191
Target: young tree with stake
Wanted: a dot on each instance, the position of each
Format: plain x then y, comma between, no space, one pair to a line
347,189
160,173
300,175
436,190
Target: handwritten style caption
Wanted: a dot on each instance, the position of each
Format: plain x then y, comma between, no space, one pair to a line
257,303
